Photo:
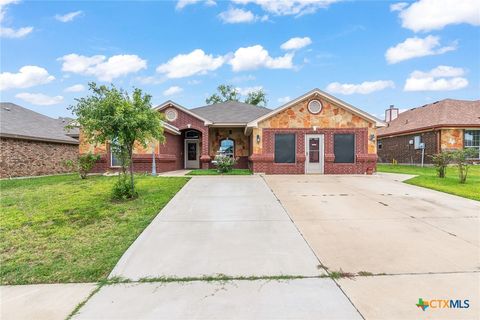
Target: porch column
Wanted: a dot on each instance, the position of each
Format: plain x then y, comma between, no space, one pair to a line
205,157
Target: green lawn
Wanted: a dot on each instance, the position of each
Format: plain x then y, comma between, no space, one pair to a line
427,177
214,172
64,229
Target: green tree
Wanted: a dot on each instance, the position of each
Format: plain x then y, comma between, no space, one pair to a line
111,115
441,161
462,158
257,97
227,92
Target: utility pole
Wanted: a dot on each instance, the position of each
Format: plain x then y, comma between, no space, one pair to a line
154,166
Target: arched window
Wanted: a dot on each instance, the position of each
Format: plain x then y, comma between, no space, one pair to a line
227,147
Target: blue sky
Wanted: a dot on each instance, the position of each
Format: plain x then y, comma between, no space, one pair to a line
368,53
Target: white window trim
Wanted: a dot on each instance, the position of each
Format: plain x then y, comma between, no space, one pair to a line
476,147
111,160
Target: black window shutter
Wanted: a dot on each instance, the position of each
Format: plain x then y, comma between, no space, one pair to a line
344,148
284,148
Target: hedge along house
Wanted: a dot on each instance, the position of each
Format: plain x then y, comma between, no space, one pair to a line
315,133
443,125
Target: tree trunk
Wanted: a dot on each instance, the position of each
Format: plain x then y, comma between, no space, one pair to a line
130,155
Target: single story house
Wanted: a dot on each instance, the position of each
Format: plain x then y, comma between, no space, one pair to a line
314,133
443,125
33,144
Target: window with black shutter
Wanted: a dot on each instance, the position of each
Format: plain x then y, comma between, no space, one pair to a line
284,148
344,148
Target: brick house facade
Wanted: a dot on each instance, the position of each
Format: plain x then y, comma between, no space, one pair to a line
21,157
32,144
443,125
332,138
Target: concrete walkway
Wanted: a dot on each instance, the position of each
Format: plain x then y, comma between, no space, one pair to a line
42,301
294,299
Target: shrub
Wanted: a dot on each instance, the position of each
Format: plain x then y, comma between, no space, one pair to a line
224,163
462,159
85,164
122,189
441,161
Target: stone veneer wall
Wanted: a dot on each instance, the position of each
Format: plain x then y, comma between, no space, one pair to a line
451,139
242,144
21,158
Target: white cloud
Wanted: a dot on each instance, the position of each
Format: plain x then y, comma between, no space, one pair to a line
235,15
399,6
172,91
39,98
68,16
75,88
150,80
427,15
416,47
28,76
255,57
14,33
3,5
247,90
7,32
365,87
289,7
183,3
243,78
284,100
101,67
441,78
186,65
296,43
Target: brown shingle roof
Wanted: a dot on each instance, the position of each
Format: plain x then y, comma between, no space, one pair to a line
448,112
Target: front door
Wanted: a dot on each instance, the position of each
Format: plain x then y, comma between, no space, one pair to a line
191,154
314,153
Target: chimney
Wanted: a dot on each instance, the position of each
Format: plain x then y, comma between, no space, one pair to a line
391,113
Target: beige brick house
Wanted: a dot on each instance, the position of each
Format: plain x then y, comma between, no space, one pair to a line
314,133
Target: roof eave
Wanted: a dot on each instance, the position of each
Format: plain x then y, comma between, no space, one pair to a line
427,128
228,124
41,139
170,128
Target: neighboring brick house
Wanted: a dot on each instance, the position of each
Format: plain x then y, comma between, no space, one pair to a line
32,144
442,125
315,133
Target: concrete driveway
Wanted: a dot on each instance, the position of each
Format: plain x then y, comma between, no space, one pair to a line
219,225
421,243
233,226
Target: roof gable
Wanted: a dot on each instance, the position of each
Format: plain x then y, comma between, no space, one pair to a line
349,107
171,103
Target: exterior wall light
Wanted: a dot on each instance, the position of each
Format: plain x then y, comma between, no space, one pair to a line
258,138
372,137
